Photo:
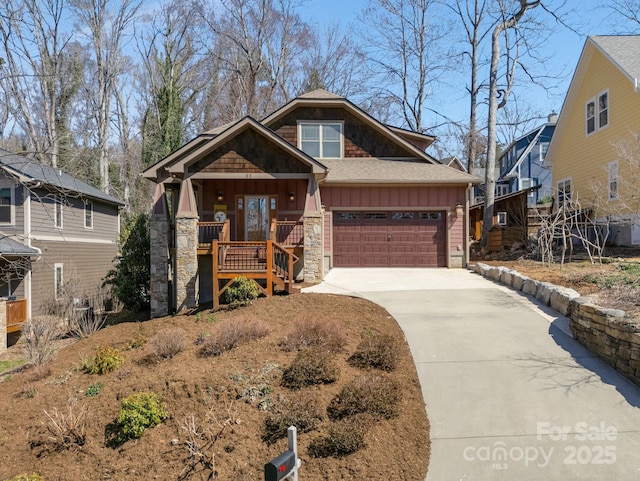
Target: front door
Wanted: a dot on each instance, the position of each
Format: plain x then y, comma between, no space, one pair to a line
256,217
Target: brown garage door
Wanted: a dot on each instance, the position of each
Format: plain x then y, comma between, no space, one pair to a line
389,239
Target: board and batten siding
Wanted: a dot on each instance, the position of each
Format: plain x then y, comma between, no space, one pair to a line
105,220
84,266
584,158
424,198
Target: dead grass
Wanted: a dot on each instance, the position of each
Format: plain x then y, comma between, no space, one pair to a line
230,334
168,342
68,428
312,331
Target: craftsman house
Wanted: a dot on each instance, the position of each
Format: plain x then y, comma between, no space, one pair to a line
53,229
600,114
315,185
521,164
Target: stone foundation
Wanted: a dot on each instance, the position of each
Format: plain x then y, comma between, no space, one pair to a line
159,268
608,333
313,255
186,276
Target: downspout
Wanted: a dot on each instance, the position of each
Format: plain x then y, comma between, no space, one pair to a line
466,224
636,87
26,213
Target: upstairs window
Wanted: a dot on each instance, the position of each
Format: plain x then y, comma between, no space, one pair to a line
591,116
88,215
57,211
321,139
6,205
613,180
603,110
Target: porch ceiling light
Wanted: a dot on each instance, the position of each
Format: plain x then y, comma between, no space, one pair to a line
220,196
292,196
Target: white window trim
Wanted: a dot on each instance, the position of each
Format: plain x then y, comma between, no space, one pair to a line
564,181
12,209
502,218
593,100
57,205
88,204
598,126
57,290
322,122
611,165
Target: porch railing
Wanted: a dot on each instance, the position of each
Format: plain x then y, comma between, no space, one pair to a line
16,314
289,233
209,231
267,263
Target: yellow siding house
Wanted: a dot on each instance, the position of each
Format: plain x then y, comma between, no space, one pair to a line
600,116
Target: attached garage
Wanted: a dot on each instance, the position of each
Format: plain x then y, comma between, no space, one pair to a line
389,239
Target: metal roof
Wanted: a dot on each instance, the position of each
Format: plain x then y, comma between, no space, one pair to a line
10,247
32,171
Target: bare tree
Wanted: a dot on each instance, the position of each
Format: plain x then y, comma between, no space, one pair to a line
105,23
40,72
405,53
626,10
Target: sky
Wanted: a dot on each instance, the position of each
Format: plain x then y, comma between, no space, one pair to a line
564,51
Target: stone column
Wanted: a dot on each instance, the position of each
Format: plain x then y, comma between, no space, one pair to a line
186,276
3,325
313,247
159,268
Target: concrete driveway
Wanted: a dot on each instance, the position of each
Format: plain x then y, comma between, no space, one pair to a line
509,394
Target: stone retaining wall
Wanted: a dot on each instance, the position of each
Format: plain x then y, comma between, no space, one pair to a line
608,333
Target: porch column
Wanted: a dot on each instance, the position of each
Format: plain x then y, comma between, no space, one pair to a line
3,325
159,254
313,246
186,276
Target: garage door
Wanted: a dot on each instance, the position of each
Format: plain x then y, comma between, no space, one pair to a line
389,239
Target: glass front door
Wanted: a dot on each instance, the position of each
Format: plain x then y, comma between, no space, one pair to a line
256,217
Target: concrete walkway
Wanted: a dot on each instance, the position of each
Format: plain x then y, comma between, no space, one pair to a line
509,394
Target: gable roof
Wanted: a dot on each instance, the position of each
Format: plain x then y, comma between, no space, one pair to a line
207,145
621,51
536,133
454,162
327,99
31,171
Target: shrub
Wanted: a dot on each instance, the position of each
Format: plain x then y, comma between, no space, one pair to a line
94,389
314,332
137,413
303,413
130,278
168,342
241,292
232,333
311,366
68,428
26,477
345,437
39,335
377,351
370,394
107,359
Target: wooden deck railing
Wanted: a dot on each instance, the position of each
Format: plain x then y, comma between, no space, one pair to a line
289,233
16,314
264,262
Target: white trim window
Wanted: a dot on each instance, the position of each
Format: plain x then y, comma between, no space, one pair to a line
321,140
88,214
7,205
57,211
564,190
502,218
603,109
502,189
591,116
58,280
612,170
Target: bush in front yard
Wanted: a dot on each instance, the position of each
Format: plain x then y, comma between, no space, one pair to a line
308,331
344,437
378,351
232,333
367,394
311,366
137,413
241,292
301,412
168,342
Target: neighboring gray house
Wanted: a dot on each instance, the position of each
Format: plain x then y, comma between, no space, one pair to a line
54,229
521,164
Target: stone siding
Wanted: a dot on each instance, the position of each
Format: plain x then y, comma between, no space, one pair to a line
608,333
313,255
186,277
159,268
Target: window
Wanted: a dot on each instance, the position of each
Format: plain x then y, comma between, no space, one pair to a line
58,280
88,215
502,218
57,211
603,110
564,190
613,180
321,140
6,205
502,189
591,116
